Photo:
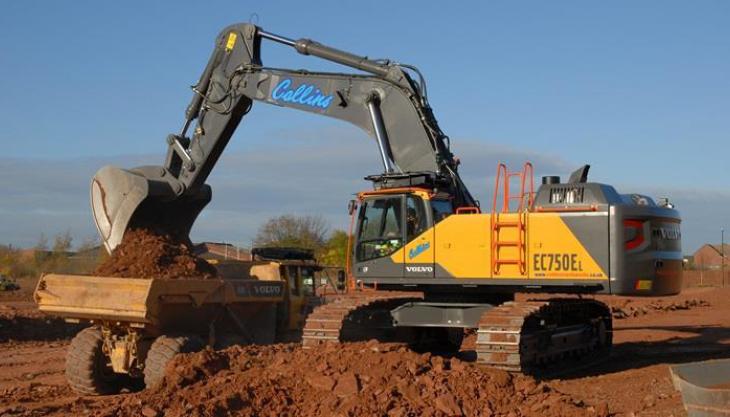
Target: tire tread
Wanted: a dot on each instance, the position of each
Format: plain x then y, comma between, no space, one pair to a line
82,361
163,349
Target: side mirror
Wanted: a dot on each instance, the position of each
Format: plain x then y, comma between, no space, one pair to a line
351,207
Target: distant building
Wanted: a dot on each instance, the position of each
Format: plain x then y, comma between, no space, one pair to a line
221,251
710,256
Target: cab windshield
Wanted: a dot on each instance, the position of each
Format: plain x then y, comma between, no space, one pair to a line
380,231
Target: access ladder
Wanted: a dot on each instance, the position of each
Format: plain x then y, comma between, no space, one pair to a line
500,225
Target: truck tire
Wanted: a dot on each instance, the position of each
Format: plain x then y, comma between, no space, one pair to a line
87,369
163,349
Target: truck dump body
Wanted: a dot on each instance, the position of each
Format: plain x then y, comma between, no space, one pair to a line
139,324
152,303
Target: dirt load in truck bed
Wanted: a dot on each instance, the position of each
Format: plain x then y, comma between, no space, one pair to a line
145,253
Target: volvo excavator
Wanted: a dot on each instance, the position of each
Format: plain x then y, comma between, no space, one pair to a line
432,262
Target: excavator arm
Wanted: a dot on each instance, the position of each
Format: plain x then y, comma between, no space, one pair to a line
382,99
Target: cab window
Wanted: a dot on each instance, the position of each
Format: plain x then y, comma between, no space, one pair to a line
380,232
307,280
416,221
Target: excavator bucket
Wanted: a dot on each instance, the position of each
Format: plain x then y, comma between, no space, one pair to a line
146,197
705,387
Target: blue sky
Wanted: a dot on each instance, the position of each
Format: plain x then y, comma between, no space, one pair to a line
640,90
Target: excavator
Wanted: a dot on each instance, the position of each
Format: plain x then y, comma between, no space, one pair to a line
431,264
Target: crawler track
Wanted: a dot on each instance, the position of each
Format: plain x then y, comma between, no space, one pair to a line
358,316
541,337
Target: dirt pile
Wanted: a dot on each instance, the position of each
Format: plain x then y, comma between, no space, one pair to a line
360,379
145,253
628,310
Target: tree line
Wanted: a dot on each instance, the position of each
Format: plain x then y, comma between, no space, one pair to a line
57,255
307,232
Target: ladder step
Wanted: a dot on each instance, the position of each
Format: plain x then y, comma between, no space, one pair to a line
508,261
506,223
508,243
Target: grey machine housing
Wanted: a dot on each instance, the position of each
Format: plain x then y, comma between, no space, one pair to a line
644,255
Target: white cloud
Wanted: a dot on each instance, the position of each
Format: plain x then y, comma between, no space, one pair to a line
316,173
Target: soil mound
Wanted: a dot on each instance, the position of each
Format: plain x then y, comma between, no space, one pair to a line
358,379
145,253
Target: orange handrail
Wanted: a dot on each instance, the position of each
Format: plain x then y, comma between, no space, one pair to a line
468,210
350,278
526,202
500,169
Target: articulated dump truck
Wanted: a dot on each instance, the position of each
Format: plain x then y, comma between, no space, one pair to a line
138,325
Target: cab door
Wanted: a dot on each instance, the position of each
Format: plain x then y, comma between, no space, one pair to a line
419,250
309,291
296,298
380,236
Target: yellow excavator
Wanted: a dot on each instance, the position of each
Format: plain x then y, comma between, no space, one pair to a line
434,261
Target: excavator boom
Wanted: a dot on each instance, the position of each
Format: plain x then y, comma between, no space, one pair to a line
382,99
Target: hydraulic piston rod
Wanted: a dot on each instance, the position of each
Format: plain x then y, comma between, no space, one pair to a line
310,47
381,135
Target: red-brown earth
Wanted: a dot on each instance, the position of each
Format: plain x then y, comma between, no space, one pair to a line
375,379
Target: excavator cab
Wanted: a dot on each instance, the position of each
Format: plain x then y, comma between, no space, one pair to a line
300,278
394,219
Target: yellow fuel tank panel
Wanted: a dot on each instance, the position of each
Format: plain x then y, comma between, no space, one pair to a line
554,252
464,246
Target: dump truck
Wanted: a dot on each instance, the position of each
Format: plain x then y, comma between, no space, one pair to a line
136,326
